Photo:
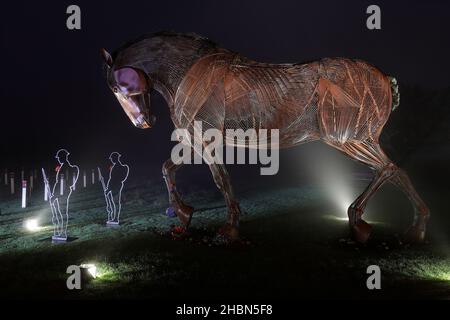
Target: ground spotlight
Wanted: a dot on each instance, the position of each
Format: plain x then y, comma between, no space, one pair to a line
32,225
89,269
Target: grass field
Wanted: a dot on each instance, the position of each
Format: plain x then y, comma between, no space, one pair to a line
294,244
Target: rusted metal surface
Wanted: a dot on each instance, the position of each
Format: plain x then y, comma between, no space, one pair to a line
343,102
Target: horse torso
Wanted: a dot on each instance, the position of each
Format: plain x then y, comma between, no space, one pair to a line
332,99
270,96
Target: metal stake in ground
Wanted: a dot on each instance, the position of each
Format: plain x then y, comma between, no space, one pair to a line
11,175
24,194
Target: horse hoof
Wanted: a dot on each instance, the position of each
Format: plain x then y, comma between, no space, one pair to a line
361,231
170,212
187,209
184,213
415,234
230,232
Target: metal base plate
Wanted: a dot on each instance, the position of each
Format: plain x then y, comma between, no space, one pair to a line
59,239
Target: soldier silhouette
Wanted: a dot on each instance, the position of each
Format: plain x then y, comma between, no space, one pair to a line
118,174
60,200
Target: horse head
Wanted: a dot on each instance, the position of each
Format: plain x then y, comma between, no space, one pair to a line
157,61
132,87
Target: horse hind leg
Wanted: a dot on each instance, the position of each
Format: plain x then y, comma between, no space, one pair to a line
371,154
360,229
416,233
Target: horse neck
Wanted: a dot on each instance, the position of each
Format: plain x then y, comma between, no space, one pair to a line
169,70
167,91
166,60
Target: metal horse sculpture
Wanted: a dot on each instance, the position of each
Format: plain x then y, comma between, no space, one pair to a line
343,102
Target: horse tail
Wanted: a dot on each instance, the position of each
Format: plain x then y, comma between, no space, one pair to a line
395,92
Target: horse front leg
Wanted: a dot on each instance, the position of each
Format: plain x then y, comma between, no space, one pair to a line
222,180
177,206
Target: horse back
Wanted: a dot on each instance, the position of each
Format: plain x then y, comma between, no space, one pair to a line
332,99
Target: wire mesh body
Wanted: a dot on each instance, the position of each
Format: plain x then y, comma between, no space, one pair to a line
336,100
343,102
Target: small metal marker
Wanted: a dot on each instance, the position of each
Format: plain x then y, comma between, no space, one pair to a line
74,180
61,185
11,174
46,186
24,194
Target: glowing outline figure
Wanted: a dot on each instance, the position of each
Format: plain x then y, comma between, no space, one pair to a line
111,208
60,227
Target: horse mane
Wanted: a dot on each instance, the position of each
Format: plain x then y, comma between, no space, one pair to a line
191,36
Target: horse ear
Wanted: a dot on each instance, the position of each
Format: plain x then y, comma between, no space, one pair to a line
107,57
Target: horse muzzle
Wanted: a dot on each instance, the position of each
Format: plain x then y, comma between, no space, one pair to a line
137,108
142,123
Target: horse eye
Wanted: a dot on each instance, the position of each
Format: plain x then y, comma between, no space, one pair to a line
115,90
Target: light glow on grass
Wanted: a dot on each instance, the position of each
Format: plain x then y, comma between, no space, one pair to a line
422,267
336,218
437,271
345,219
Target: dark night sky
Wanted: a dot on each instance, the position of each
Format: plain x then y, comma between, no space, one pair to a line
54,93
